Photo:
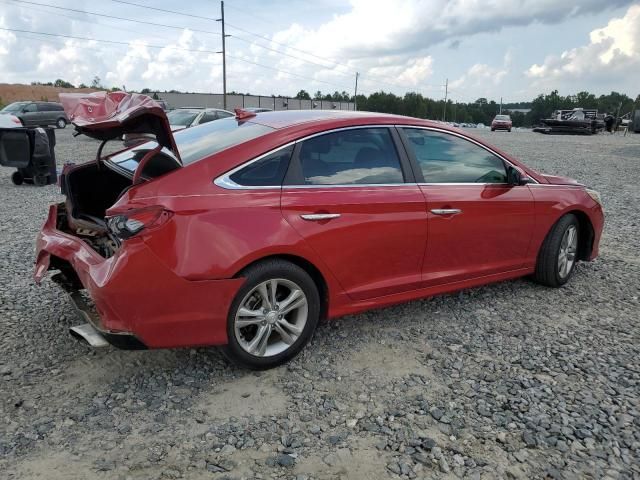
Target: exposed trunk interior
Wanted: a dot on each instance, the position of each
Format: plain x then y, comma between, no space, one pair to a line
91,189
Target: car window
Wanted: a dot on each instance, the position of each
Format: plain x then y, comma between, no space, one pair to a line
181,117
30,108
14,107
446,158
198,142
222,114
208,117
357,156
268,171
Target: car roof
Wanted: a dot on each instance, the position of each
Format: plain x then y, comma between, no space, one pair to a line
290,118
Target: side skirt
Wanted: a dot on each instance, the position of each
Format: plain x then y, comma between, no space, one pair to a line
388,300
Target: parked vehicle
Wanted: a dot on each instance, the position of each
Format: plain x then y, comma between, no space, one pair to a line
179,119
501,122
37,114
9,121
189,117
247,231
578,121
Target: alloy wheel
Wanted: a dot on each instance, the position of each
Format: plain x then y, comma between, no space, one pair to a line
271,317
568,249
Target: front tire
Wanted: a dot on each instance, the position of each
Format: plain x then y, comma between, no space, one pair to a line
273,315
559,253
61,123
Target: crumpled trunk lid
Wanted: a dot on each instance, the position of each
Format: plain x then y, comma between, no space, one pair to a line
109,115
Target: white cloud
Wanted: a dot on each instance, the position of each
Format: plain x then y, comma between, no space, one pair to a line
613,50
391,45
482,78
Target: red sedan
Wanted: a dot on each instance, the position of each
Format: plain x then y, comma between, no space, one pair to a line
501,122
245,232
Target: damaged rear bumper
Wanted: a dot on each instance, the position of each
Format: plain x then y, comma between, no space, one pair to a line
139,301
92,331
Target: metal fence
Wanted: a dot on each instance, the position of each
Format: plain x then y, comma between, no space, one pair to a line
215,100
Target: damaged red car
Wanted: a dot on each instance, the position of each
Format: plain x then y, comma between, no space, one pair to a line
247,231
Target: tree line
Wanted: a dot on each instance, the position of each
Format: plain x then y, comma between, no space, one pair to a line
483,110
416,105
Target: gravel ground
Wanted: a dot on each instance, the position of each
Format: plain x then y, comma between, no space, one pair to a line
511,380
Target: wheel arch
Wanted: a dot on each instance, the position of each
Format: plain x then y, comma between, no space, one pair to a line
586,236
313,271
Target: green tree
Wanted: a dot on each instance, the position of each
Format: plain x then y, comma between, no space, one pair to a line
303,95
63,84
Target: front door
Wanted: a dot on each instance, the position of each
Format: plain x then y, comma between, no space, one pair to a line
29,115
478,224
348,194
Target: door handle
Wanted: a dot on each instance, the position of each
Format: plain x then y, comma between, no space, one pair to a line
446,211
314,217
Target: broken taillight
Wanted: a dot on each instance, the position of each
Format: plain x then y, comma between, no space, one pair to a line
131,222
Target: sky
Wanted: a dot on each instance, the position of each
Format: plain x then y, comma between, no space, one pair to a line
509,49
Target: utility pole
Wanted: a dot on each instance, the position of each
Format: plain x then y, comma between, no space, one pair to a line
355,94
224,56
446,92
501,105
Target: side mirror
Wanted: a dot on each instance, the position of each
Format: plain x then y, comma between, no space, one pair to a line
515,177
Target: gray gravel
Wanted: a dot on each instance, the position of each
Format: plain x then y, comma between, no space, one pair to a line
511,380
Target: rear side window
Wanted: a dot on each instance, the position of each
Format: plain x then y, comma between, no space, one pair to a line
357,156
208,117
266,172
446,158
204,140
222,114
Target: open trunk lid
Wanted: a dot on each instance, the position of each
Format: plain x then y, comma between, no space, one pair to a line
109,115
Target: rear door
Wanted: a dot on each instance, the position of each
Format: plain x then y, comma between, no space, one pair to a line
45,114
478,224
351,194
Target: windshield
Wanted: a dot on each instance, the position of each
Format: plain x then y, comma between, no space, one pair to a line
503,117
14,107
181,117
198,142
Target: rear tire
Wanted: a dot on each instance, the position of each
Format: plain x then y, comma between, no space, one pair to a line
40,180
267,327
559,253
61,123
17,178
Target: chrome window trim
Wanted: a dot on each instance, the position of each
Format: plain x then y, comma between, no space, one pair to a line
225,182
475,142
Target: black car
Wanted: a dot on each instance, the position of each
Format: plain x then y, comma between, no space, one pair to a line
38,114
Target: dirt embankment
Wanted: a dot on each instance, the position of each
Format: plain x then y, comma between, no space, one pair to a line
14,92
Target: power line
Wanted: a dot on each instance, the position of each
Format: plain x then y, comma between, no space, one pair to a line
165,10
76,19
332,63
288,73
377,79
114,17
116,42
